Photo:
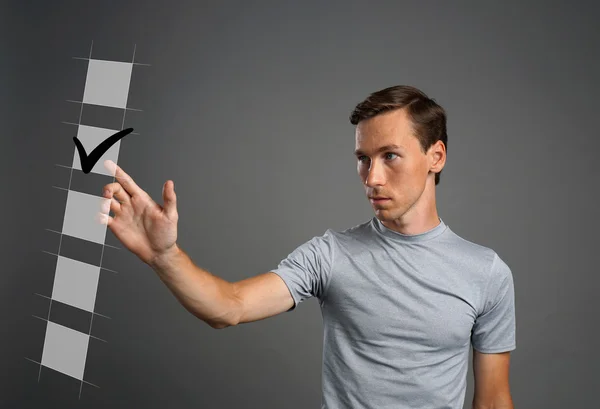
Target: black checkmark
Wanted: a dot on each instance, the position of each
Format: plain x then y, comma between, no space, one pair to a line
88,161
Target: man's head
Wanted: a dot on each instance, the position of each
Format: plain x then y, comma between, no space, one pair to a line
406,117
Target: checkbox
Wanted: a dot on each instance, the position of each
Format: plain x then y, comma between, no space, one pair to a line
90,137
81,217
65,350
76,283
107,83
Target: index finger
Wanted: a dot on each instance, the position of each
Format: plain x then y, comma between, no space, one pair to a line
123,178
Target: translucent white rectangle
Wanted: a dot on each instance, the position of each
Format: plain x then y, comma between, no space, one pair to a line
65,350
76,283
81,219
107,83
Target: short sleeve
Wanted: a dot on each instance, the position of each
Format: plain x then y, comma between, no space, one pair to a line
494,329
306,270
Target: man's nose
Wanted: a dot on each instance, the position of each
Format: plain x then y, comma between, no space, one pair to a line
375,175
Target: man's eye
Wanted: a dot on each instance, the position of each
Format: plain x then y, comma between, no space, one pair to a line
362,157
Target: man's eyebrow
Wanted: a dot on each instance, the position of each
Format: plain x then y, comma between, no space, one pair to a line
383,148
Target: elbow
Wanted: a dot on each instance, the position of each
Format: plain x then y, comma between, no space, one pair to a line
232,312
216,323
229,320
220,325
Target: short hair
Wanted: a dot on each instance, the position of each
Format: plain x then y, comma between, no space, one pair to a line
427,117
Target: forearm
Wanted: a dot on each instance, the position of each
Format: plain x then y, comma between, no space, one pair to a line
205,295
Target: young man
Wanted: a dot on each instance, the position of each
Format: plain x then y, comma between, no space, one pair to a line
402,296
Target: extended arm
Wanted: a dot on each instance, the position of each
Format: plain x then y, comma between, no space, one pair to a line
218,302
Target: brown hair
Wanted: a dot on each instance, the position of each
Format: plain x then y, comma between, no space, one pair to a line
428,118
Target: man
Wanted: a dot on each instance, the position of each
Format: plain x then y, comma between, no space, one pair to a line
403,297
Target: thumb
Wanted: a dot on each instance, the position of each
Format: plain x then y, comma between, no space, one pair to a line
170,199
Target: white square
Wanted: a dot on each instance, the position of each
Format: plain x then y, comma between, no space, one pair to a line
81,217
76,283
90,137
107,83
65,350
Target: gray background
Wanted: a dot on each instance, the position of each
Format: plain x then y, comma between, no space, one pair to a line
245,106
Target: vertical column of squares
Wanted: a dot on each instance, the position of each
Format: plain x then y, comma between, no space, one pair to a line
76,282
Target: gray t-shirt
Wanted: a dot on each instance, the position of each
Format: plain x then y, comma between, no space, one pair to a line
400,313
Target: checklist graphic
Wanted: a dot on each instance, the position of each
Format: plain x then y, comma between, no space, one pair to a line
75,287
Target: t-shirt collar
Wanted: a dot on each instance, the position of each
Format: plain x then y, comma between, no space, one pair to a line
394,235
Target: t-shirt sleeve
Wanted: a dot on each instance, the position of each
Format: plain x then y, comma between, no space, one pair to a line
494,330
307,269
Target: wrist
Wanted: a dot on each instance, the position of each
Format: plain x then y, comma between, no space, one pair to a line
165,258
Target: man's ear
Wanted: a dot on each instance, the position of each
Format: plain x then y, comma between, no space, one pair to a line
437,155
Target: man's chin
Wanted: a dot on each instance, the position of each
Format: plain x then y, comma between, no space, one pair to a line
383,215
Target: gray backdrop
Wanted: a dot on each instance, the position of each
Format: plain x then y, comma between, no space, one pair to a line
245,106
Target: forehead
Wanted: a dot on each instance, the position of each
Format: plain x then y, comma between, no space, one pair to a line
389,128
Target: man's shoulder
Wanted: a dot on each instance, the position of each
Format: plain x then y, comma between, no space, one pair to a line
470,247
354,231
482,258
